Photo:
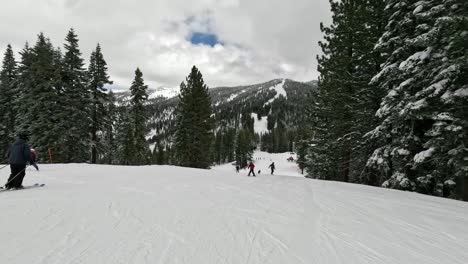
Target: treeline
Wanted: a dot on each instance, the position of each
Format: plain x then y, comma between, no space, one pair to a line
66,109
392,105
71,116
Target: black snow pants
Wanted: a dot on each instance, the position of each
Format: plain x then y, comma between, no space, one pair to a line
18,171
251,171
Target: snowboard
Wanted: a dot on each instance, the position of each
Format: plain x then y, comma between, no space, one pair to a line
36,185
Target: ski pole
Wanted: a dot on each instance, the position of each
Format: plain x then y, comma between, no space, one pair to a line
16,175
5,165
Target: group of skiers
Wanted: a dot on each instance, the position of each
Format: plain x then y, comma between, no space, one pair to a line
252,169
19,154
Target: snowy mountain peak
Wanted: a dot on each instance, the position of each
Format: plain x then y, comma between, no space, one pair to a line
166,92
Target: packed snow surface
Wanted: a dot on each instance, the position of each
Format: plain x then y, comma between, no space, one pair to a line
164,214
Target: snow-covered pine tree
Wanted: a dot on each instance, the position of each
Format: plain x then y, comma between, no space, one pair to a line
453,40
76,96
344,108
302,145
39,103
423,128
319,156
124,137
443,102
8,94
24,81
194,123
100,118
394,47
109,146
139,96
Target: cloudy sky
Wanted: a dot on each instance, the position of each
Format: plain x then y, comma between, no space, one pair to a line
233,42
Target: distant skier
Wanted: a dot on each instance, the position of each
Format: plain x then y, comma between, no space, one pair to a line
18,156
34,158
272,167
237,168
252,168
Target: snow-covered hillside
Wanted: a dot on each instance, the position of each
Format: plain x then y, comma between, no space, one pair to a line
279,89
163,92
282,100
163,214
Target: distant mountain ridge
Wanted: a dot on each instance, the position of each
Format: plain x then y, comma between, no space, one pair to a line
273,104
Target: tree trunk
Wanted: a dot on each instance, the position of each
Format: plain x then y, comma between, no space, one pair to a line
464,188
346,165
94,134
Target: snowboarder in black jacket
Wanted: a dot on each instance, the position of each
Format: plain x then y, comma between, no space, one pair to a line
18,156
272,167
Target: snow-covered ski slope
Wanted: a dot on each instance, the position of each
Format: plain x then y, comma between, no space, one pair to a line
279,88
260,126
164,214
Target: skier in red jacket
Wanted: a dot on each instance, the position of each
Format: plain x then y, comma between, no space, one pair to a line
251,167
33,159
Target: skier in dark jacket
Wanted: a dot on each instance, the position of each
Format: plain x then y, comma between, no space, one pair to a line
251,167
272,167
18,156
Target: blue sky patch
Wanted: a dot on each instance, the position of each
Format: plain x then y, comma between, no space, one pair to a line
199,38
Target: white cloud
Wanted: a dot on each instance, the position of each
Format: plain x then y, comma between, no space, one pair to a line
262,39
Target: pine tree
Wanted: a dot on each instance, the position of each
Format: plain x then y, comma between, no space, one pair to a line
194,123
109,146
345,102
39,105
243,148
138,118
423,127
24,82
8,95
76,96
218,148
400,27
160,157
302,145
447,100
125,138
100,117
229,144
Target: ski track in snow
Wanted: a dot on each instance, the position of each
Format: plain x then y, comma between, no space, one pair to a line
280,91
165,214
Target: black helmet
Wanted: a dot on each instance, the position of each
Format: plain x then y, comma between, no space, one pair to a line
23,135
